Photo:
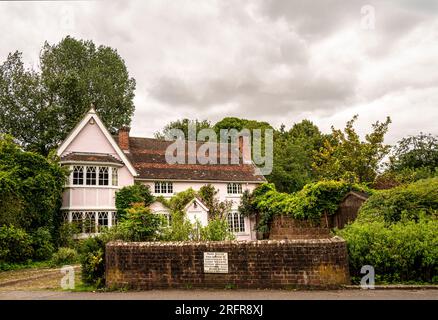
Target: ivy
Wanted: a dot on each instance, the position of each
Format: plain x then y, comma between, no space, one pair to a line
311,202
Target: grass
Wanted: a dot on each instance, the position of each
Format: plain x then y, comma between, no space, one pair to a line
28,265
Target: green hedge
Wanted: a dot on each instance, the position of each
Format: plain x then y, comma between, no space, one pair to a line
402,252
407,202
15,245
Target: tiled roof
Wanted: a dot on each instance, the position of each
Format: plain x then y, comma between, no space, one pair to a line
148,157
91,157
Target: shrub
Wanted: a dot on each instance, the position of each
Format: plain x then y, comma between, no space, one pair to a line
179,229
401,252
92,258
42,244
217,230
407,202
66,233
140,224
127,196
15,245
64,256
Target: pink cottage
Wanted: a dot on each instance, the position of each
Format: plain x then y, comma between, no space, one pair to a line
101,164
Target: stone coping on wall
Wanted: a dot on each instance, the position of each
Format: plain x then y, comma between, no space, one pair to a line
334,239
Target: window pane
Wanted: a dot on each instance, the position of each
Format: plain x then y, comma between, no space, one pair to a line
102,221
78,175
103,176
241,223
76,220
113,218
115,178
91,176
90,222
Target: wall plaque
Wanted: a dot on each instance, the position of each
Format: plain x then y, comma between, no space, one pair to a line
215,262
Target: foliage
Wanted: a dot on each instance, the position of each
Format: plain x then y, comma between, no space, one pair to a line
404,202
40,108
401,252
180,200
67,232
183,125
309,203
15,245
246,206
30,187
415,152
217,230
239,124
127,196
293,156
64,256
391,179
180,229
92,258
140,224
216,208
345,156
42,244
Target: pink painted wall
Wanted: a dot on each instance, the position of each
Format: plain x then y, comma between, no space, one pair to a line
91,139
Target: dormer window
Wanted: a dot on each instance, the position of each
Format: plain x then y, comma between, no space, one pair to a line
234,188
163,187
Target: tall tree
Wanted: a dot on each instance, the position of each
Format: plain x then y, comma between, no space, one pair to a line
345,156
414,152
39,108
293,156
183,125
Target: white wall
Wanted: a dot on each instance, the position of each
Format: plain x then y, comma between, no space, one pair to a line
178,186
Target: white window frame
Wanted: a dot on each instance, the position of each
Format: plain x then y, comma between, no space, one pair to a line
234,188
103,176
93,175
114,177
79,171
163,187
236,222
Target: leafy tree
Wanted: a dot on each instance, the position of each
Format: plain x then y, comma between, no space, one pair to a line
30,186
345,156
293,156
127,196
217,209
415,152
183,125
39,108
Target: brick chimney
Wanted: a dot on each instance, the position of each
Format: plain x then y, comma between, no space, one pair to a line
124,138
245,148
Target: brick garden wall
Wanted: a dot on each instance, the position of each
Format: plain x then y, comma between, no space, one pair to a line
251,264
284,227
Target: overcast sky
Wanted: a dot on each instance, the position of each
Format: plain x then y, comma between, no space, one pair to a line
276,61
